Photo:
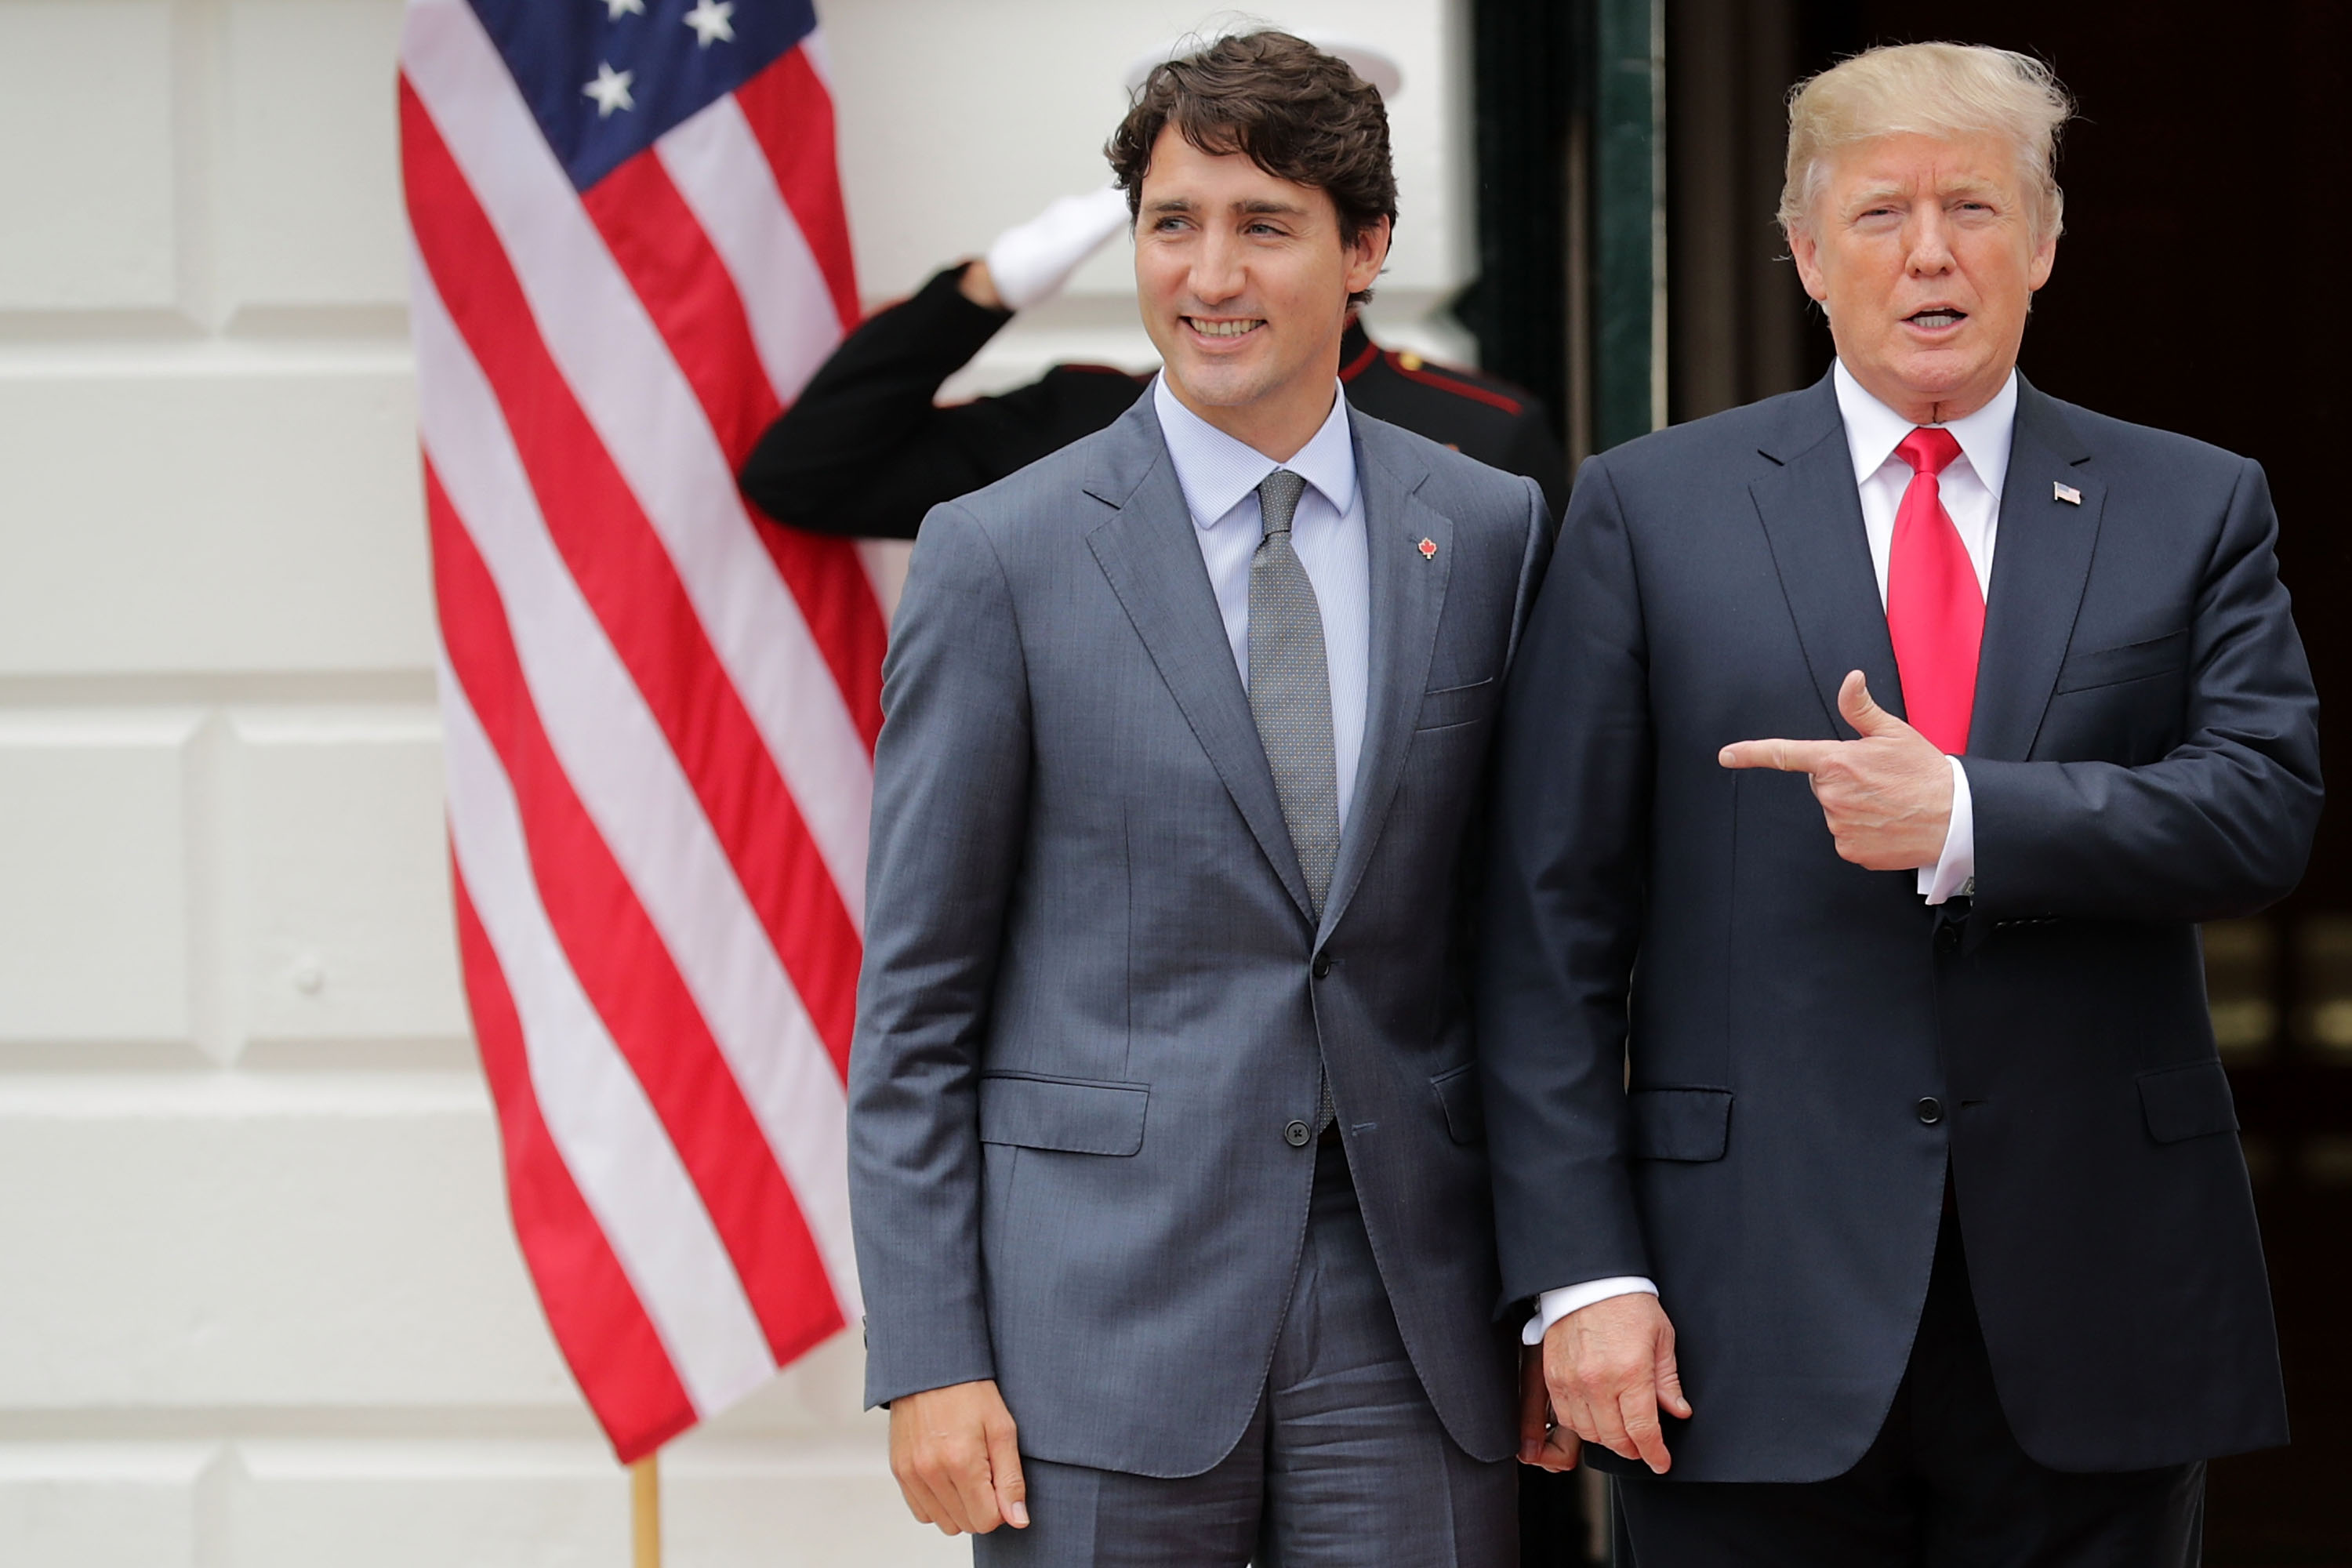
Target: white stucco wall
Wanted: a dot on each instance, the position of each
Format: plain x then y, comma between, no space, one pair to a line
259,1304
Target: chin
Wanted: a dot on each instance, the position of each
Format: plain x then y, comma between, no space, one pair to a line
1223,385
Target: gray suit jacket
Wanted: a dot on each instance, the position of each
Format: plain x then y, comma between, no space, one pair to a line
1094,1000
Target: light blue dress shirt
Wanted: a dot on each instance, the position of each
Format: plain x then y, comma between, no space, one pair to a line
1219,476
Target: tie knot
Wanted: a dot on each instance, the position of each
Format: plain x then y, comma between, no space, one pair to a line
1278,499
1929,449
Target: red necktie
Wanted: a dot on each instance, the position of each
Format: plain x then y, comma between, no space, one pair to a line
1934,611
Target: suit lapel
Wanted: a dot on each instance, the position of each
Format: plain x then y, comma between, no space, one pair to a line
1147,550
1812,512
2040,563
1408,592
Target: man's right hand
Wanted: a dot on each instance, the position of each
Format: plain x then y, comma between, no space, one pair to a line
954,1453
1611,1368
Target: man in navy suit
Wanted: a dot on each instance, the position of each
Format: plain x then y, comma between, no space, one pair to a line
1860,1144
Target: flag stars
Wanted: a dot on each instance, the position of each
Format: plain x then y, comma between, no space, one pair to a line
609,89
616,9
710,19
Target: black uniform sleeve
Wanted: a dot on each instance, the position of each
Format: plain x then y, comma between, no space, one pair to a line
1535,453
860,452
865,453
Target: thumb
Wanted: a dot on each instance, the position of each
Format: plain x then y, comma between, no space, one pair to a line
1862,712
1004,1474
1670,1383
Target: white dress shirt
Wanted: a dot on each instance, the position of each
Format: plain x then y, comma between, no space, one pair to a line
1970,488
1219,476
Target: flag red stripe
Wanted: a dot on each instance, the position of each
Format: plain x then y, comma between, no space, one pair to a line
685,287
630,583
592,1310
652,233
792,114
625,969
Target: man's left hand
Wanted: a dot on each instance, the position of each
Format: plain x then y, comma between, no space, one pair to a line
1887,796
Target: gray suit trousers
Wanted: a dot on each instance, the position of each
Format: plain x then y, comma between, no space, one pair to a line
1344,1464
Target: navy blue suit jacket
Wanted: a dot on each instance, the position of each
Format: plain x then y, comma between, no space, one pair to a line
1706,1039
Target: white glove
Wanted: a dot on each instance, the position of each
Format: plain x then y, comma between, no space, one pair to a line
1031,262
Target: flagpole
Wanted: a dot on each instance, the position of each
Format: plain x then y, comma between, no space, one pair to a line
644,1510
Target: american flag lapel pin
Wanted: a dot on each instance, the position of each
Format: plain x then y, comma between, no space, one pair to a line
1428,548
2067,493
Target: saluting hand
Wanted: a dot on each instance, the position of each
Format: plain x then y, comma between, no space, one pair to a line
1887,796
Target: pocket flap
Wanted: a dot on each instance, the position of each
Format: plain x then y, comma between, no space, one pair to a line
1681,1123
1466,1112
2187,1101
1073,1115
2132,661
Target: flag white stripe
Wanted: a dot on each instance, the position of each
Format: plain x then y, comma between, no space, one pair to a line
606,1130
719,168
619,762
646,416
722,171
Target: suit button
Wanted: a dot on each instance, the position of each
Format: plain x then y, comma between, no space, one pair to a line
1948,938
1297,1134
1322,966
1931,1110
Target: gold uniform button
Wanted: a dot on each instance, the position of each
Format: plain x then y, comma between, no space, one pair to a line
1410,361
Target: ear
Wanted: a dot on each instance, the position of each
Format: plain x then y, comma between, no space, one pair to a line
1805,250
1367,256
2045,257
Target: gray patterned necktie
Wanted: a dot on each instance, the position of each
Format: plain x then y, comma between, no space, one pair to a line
1290,688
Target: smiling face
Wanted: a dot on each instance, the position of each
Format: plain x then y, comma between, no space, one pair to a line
1244,280
1923,254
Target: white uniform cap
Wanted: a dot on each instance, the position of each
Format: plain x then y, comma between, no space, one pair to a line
1377,67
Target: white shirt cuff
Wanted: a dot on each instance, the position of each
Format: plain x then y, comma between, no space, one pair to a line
1554,1305
1954,873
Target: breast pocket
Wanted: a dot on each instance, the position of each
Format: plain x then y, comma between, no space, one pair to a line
1451,705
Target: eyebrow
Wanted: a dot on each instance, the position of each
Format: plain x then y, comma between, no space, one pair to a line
1259,207
1875,194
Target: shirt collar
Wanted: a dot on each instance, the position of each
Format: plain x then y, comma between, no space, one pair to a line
1873,430
1216,471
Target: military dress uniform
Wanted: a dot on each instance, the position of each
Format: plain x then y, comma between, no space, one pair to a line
865,453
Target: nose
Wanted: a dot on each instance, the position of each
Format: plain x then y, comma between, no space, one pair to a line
1217,268
1930,246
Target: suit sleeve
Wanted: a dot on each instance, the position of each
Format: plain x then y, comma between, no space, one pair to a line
950,812
1565,882
1532,561
2222,825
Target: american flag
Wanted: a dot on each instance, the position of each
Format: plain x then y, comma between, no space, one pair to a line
630,253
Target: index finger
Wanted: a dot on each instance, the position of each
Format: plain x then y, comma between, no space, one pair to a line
1789,756
1639,1407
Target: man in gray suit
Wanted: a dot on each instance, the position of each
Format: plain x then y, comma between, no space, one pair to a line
1166,1153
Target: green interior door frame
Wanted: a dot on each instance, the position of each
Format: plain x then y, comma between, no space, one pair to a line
1628,257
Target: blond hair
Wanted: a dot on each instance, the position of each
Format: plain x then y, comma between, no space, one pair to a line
1947,91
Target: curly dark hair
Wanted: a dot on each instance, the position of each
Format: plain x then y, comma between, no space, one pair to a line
1296,112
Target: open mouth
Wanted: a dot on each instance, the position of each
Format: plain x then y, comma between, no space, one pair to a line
1936,317
1235,329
